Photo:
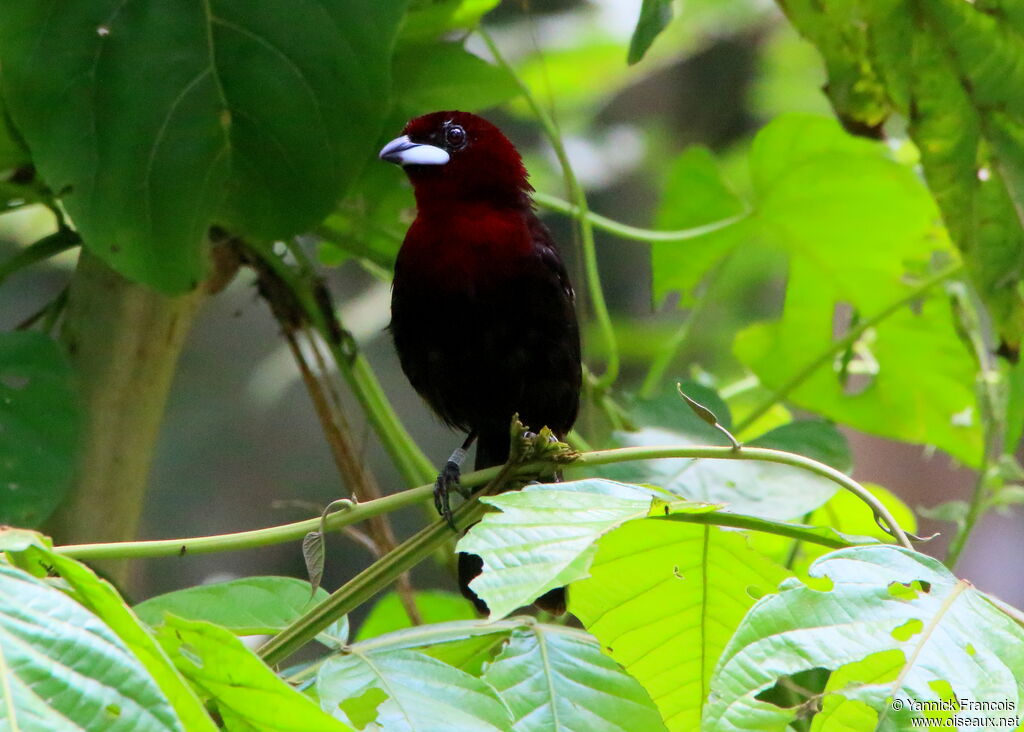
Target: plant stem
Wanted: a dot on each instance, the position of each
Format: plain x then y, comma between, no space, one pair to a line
992,403
49,246
579,200
413,465
354,474
123,341
362,511
625,231
251,539
381,573
845,342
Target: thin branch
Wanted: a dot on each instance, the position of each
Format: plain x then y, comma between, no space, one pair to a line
379,574
992,403
48,246
362,511
407,456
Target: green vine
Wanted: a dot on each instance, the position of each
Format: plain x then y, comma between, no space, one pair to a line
355,513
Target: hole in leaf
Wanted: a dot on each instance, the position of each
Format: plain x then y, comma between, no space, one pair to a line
908,630
970,650
945,692
908,591
856,366
113,710
754,592
797,689
14,381
362,710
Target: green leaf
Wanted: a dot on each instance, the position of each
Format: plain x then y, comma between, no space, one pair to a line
428,19
12,154
403,689
370,223
60,666
434,606
663,598
99,597
762,489
555,679
693,194
464,644
544,535
655,16
153,126
812,438
845,514
953,69
666,409
882,599
895,398
247,606
336,634
447,76
244,689
39,423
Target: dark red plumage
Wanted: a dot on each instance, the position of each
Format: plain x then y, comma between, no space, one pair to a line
482,311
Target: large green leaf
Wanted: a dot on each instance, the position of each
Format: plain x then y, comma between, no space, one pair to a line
693,194
152,123
247,606
759,488
12,154
763,489
404,689
99,597
664,598
898,398
63,669
844,513
39,421
558,680
544,536
916,631
954,70
447,76
246,691
428,19
833,203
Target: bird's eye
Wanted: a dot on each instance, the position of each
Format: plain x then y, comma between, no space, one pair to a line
455,136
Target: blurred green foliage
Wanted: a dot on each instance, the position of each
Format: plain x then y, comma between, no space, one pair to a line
829,298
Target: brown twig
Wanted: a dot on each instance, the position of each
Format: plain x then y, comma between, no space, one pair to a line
354,473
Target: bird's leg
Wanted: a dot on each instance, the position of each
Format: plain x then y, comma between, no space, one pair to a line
448,479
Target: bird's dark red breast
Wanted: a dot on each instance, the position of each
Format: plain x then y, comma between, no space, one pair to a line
482,311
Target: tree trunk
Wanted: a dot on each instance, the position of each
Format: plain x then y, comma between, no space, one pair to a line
123,340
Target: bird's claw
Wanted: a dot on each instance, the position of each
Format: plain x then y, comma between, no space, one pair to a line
447,480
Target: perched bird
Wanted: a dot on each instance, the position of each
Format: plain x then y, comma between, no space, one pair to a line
482,311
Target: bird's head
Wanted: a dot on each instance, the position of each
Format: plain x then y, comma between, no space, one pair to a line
458,156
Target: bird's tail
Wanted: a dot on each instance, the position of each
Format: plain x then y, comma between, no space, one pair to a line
492,449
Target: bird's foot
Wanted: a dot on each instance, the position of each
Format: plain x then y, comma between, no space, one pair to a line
447,480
